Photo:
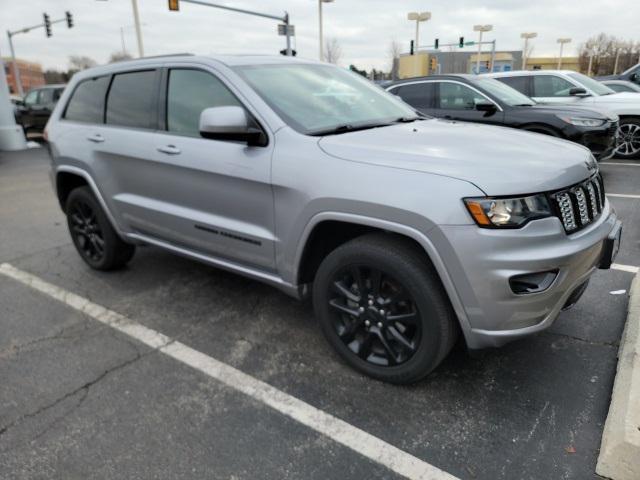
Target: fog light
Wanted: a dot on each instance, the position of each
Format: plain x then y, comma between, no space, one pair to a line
532,282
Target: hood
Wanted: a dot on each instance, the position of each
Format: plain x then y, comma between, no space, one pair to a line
624,98
498,160
591,112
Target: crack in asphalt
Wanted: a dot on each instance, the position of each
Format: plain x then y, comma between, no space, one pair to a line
615,344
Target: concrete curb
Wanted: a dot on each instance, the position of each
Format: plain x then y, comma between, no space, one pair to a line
620,448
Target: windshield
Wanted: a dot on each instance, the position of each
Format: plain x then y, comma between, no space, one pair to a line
320,98
503,92
593,85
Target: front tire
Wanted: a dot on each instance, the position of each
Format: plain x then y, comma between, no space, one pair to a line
628,137
93,236
381,305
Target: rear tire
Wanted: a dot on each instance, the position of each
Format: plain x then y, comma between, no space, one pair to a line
628,137
381,305
93,236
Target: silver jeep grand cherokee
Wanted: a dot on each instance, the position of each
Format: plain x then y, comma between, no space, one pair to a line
406,230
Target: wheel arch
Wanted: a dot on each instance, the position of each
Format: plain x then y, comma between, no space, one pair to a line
309,255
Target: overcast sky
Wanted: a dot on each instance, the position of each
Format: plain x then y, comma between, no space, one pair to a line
364,28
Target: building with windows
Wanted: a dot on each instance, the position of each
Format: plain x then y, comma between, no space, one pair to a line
551,63
31,75
430,62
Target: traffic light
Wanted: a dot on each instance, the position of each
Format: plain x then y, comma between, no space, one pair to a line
411,48
461,43
433,64
174,5
487,64
284,52
47,24
69,19
437,42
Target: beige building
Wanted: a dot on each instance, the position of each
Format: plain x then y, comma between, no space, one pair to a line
551,63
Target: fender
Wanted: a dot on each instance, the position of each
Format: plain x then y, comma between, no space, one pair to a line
420,237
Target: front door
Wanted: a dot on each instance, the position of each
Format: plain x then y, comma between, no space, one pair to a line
553,89
457,101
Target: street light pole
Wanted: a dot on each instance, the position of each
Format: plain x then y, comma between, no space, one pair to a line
14,65
590,48
615,65
525,53
418,17
136,21
320,35
562,41
481,29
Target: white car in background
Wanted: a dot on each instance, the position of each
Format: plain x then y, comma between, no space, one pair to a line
622,86
569,87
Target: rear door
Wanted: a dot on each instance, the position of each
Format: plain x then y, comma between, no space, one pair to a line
210,196
457,101
30,105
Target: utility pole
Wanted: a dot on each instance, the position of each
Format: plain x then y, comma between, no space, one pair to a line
136,21
481,29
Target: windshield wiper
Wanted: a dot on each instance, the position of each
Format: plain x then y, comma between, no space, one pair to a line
524,105
407,119
347,127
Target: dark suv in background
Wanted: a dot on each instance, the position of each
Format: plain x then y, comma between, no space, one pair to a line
484,100
35,110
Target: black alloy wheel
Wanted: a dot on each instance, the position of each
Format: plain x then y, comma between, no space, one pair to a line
374,315
86,231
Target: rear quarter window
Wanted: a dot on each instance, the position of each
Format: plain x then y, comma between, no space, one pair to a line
87,101
517,83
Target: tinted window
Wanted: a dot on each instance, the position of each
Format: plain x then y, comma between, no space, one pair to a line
131,99
47,96
31,98
458,97
87,101
619,88
551,86
518,83
189,93
417,95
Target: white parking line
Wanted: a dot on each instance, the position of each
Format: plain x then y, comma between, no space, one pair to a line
625,268
622,195
338,430
620,163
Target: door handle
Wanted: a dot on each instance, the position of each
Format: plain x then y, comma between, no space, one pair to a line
97,138
169,150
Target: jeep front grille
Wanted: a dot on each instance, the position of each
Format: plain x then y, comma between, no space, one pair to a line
580,205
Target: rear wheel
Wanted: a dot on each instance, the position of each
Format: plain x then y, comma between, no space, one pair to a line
380,304
93,236
628,138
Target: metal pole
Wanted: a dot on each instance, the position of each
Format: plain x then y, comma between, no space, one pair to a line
124,48
11,135
479,52
560,57
524,54
615,65
493,54
136,21
14,64
288,34
416,69
320,29
590,61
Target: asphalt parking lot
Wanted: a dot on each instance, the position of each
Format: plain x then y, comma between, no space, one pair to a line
79,399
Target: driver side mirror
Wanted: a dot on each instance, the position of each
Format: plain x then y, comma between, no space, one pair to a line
488,107
231,124
634,78
578,92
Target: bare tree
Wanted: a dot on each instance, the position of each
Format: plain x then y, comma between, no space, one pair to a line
332,51
119,56
394,53
604,49
79,62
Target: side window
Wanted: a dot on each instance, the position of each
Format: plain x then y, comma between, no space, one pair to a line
454,96
130,102
46,96
619,88
87,102
31,98
551,86
517,83
188,94
418,95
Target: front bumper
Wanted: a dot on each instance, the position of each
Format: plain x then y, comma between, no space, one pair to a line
601,140
487,259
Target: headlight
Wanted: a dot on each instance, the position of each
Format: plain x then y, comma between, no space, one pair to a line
507,212
583,122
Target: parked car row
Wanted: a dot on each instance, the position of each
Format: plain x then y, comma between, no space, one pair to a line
405,230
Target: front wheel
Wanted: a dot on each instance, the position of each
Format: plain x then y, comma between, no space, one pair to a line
381,305
628,138
93,236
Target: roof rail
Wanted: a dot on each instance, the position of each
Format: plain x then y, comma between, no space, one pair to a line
181,54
